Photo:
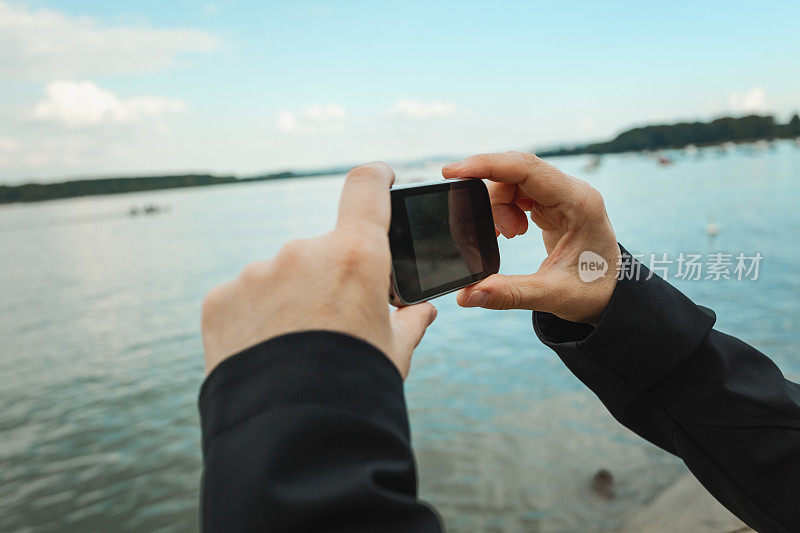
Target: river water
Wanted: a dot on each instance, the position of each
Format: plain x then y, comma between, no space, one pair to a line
102,359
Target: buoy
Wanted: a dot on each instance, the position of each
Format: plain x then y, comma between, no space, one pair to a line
712,229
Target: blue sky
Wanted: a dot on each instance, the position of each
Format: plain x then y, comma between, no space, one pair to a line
112,88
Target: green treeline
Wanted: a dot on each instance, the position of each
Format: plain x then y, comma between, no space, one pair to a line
34,192
37,192
721,130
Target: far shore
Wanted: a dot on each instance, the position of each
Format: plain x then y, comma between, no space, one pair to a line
685,135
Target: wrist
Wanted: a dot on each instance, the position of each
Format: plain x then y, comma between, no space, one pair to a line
304,369
646,330
594,293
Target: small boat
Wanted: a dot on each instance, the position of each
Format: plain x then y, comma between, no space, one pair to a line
592,164
147,209
762,145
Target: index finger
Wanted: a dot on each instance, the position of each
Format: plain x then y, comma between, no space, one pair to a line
540,180
365,198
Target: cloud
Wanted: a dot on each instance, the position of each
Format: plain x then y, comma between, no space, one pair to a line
43,43
7,145
8,148
82,103
753,101
312,119
415,109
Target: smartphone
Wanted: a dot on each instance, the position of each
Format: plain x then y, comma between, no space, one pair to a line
442,238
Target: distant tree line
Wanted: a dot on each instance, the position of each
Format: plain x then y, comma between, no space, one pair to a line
37,192
749,128
721,130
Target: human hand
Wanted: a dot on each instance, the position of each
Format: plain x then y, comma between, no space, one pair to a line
573,219
338,281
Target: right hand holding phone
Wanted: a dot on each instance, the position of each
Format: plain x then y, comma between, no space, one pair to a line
573,220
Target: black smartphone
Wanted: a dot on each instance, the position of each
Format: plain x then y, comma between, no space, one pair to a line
442,238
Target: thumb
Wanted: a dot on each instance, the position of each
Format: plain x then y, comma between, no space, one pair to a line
505,292
409,325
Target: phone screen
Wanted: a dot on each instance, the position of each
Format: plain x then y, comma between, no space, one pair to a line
444,236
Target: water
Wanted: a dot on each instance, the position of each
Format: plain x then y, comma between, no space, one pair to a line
102,360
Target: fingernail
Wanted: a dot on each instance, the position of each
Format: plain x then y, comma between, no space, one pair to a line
453,166
477,299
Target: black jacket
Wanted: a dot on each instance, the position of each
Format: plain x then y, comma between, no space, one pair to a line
309,431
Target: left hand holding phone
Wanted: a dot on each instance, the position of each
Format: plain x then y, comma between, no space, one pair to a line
337,281
572,217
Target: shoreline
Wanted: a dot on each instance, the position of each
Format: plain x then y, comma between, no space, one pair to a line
35,192
684,507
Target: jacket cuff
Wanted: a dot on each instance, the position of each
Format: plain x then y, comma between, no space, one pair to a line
647,330
320,368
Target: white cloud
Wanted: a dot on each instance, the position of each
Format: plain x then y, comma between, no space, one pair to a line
415,109
43,43
82,103
7,145
753,101
8,148
312,119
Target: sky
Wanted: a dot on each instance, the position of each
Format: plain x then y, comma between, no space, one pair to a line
240,87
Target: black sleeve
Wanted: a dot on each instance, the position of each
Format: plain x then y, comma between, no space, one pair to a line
308,432
712,400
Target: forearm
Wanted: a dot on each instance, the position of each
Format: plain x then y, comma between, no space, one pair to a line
716,402
308,431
